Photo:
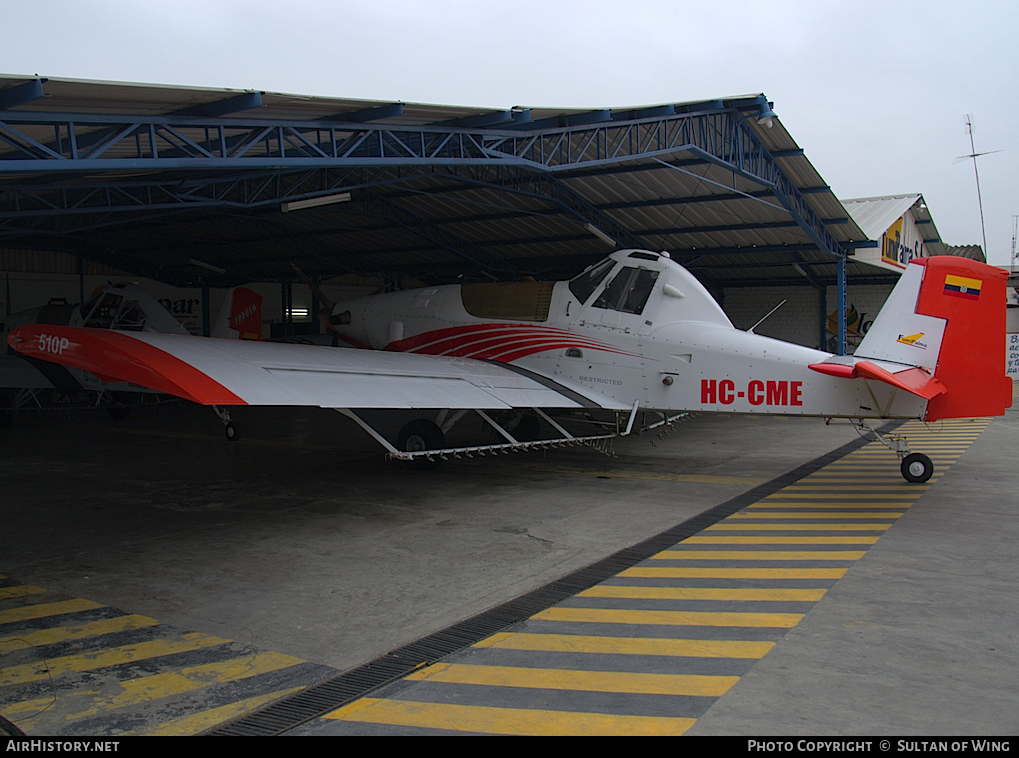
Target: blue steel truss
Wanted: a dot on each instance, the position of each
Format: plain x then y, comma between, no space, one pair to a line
210,160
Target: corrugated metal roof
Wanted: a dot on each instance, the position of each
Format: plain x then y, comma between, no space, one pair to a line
973,252
876,214
726,227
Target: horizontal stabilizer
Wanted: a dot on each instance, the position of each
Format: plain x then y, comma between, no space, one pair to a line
914,380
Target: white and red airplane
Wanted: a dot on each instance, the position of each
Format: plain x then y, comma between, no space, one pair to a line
634,332
122,307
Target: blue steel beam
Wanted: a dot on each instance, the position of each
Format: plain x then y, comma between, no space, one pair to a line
485,119
20,94
718,136
375,113
235,104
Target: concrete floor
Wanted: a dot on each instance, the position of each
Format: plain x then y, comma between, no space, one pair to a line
301,539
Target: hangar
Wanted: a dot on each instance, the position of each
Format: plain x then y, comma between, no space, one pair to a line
208,188
201,189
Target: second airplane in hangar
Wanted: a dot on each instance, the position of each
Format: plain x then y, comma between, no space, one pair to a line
634,332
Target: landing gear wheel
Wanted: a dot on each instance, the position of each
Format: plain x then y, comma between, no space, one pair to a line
529,429
916,467
118,411
231,432
421,435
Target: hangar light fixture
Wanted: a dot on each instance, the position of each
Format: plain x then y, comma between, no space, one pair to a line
209,266
767,116
312,202
600,234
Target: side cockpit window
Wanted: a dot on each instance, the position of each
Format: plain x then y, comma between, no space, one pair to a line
103,313
628,291
584,285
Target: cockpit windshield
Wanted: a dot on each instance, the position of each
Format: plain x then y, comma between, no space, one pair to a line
114,312
584,285
628,291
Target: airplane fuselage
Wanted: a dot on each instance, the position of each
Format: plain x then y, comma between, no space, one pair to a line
642,329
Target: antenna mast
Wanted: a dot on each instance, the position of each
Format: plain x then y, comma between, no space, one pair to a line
974,155
1015,229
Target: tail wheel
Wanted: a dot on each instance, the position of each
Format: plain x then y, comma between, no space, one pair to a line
916,467
231,432
421,435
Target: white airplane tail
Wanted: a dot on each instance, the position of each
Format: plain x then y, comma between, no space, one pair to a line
946,315
240,317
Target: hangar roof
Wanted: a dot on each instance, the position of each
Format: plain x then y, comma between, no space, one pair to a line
876,214
216,186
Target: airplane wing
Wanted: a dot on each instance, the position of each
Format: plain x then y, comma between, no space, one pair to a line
230,372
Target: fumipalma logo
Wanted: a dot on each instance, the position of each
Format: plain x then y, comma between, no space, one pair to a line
912,339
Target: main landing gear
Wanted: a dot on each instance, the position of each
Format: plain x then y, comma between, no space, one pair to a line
419,436
231,431
915,467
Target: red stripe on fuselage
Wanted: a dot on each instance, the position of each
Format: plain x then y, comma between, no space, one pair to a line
492,341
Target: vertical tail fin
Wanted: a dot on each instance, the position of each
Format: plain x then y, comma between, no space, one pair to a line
947,315
971,364
241,316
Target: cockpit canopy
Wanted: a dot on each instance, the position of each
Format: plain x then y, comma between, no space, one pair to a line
627,291
626,282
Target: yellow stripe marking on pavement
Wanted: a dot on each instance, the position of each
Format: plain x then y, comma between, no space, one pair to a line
200,722
42,610
723,527
147,688
759,555
704,593
30,672
519,721
28,708
577,643
65,633
692,685
669,618
816,514
825,540
823,504
783,495
20,590
805,484
733,573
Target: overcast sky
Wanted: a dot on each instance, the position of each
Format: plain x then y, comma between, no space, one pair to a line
875,92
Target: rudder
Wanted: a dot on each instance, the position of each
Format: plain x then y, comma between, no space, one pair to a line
971,363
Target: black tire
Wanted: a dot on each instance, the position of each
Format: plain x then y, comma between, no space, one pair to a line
231,432
916,467
118,411
529,429
421,435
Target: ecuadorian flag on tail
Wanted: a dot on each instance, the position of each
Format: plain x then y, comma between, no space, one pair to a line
961,286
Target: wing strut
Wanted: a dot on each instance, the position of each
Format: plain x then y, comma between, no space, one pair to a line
601,442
